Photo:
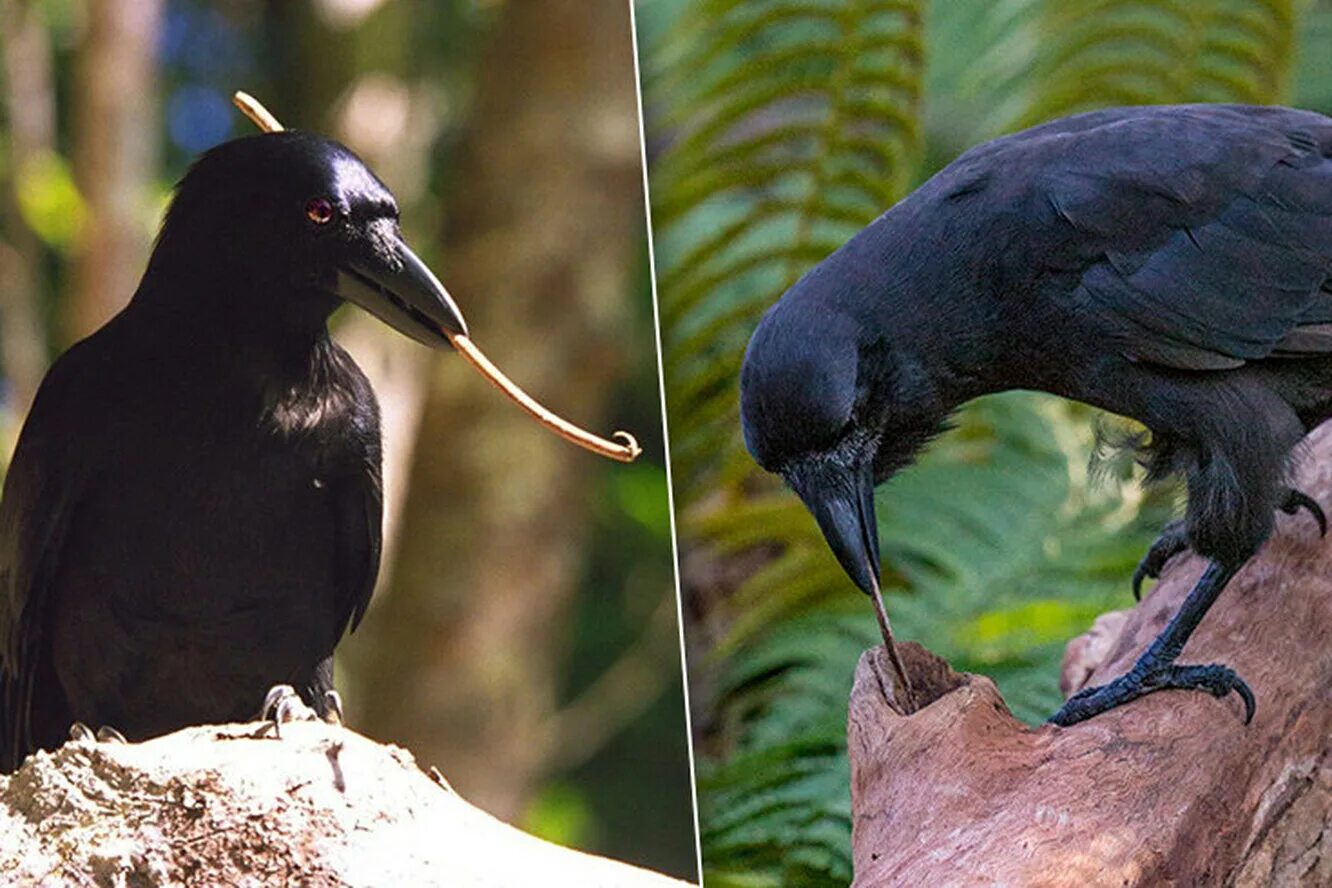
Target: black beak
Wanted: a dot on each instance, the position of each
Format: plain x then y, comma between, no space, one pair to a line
844,510
406,295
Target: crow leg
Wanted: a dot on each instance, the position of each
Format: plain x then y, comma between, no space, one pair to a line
1156,669
1174,539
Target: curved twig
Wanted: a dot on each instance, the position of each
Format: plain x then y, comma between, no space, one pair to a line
625,448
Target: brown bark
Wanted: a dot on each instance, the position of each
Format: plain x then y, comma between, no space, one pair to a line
459,661
233,805
1172,789
30,109
115,133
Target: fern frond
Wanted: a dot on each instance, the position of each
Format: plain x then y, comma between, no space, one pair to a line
795,123
1160,51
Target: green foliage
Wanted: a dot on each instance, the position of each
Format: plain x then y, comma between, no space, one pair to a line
786,116
791,125
1130,52
560,813
1313,60
48,200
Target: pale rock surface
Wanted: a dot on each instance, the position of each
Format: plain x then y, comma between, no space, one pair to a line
233,805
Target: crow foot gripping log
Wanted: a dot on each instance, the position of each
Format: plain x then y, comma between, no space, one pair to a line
1156,669
282,705
81,733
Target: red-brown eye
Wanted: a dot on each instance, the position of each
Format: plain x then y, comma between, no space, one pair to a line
320,210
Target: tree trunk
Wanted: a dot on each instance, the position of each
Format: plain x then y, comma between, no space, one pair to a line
30,106
1172,789
115,147
544,226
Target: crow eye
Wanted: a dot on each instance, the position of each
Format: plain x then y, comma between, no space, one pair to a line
319,210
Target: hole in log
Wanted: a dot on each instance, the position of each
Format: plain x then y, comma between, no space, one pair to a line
931,677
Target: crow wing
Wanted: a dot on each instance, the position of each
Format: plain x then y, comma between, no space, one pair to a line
43,485
1198,237
360,498
360,531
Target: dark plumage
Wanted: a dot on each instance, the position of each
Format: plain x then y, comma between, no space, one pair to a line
1172,264
193,511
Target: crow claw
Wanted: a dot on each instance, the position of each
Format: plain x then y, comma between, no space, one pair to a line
1139,574
81,733
282,705
108,734
333,707
1214,679
1172,541
1296,500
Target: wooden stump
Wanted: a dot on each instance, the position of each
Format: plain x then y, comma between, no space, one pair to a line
1172,789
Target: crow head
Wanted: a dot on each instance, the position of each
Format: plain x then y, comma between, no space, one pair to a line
290,225
834,408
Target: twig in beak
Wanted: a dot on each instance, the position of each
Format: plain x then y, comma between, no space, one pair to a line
625,448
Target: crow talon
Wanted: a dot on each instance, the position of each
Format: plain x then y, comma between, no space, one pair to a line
1213,679
1140,573
333,707
81,733
282,705
1296,500
108,734
274,696
1172,541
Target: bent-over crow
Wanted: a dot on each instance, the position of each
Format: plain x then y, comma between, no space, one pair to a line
1170,264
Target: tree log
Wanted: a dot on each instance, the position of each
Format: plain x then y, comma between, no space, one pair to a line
234,805
1172,789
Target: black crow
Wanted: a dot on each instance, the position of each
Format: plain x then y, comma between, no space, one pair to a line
193,511
1170,264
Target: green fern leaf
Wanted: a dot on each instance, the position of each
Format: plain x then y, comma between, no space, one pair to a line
1135,52
795,124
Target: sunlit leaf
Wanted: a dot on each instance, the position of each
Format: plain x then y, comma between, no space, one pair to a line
48,200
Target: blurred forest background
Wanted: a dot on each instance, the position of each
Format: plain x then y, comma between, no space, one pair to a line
776,130
523,637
